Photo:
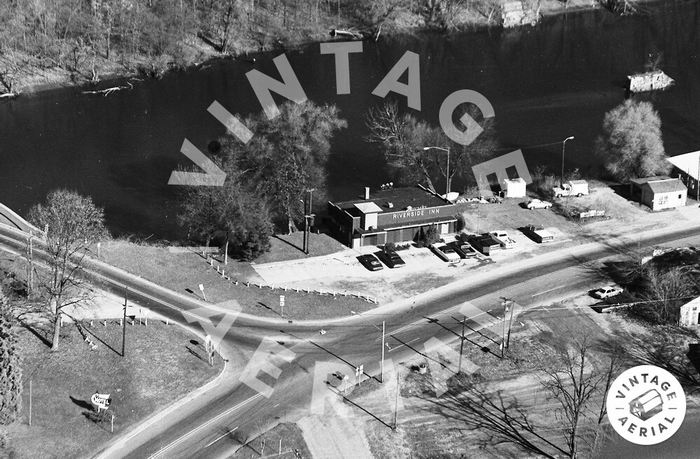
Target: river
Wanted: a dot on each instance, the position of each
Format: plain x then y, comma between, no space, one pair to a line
545,82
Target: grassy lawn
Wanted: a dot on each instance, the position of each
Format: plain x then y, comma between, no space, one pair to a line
289,247
162,364
283,438
182,271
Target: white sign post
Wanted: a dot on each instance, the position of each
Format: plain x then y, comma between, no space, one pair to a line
281,305
201,288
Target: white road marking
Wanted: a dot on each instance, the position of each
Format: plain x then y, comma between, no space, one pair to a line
229,432
160,452
547,291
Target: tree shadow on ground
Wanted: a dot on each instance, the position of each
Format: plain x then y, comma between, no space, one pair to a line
301,249
497,419
87,330
36,331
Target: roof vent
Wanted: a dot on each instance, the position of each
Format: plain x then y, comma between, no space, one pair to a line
390,205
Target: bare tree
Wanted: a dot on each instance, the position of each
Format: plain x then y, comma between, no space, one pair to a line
403,137
667,290
575,384
73,223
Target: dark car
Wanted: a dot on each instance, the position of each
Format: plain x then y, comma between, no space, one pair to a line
463,249
391,259
484,243
370,262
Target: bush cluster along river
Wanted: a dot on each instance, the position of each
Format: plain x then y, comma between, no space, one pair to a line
545,82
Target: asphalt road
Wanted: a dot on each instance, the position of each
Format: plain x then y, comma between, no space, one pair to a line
235,412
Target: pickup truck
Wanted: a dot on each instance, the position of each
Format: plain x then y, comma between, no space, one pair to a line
538,233
504,239
571,188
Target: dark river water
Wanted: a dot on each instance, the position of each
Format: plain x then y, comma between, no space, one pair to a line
545,83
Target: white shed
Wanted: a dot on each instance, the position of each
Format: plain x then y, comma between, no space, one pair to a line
514,188
690,313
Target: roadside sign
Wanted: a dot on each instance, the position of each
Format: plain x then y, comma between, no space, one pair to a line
281,301
101,401
201,287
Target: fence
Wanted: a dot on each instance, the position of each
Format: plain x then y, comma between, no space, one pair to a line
591,213
221,270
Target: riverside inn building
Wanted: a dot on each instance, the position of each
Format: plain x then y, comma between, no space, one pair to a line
391,215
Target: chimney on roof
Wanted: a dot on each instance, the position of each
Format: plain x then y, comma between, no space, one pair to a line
366,193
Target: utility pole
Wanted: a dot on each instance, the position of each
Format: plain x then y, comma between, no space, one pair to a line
126,294
30,402
382,362
503,333
396,401
510,323
461,345
697,181
308,207
563,150
30,259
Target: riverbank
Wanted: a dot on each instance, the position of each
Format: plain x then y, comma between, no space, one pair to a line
30,74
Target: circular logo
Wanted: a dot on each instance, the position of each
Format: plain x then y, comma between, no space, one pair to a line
646,405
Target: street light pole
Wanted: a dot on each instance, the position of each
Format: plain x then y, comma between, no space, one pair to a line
308,206
447,175
563,151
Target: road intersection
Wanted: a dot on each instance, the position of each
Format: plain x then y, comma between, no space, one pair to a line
220,419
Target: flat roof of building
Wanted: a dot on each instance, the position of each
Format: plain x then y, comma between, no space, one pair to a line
401,198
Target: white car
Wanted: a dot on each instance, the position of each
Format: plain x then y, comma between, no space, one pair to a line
538,204
446,253
607,291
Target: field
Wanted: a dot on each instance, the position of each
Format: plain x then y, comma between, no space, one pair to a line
162,364
182,270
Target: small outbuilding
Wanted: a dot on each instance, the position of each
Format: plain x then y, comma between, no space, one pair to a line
690,313
659,193
514,188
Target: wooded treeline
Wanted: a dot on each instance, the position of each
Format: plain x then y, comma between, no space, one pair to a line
89,38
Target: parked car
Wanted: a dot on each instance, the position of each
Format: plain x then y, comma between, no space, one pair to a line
538,233
538,204
484,243
571,188
607,291
463,249
504,239
391,259
370,262
445,252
